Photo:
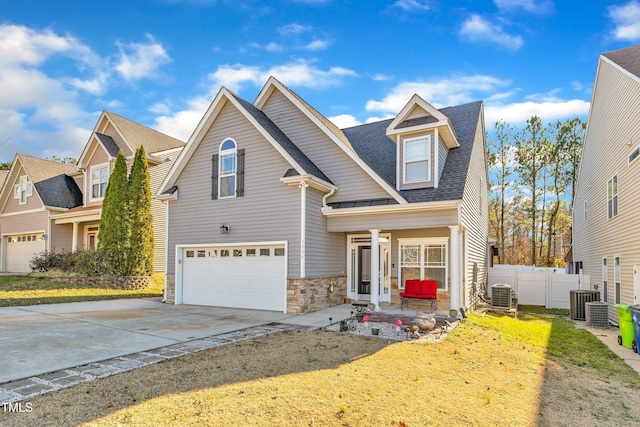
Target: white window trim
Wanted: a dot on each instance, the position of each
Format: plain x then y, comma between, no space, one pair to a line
605,279
617,279
427,158
613,197
424,241
222,152
99,166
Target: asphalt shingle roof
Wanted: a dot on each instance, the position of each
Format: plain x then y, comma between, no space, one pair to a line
283,140
136,135
59,191
109,144
628,58
379,152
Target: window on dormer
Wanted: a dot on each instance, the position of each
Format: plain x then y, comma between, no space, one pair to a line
417,159
99,181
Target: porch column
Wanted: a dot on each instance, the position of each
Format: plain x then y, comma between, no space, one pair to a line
74,238
303,227
375,268
454,268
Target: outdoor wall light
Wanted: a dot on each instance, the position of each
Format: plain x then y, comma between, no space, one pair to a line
225,229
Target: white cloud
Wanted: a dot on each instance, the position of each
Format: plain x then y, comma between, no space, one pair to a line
344,121
293,28
141,60
379,77
412,5
294,74
454,90
548,110
477,30
317,45
532,6
273,47
626,17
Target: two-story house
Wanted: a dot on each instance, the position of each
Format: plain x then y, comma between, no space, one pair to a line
606,242
62,203
271,206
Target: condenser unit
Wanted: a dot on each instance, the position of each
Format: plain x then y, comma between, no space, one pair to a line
501,296
597,314
577,300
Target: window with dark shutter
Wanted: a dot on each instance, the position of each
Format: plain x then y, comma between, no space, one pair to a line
240,173
214,177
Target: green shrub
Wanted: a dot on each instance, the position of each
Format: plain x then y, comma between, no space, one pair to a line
92,263
47,261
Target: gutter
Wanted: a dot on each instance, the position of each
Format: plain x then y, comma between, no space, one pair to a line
411,207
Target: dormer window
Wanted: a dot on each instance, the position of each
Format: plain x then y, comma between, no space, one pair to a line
417,159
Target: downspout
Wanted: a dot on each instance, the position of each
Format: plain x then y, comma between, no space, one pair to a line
303,225
326,196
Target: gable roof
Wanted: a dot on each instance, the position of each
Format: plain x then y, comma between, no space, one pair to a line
283,140
379,152
136,135
291,153
627,58
326,126
37,170
60,191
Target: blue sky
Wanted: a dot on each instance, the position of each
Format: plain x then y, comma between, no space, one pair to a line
161,62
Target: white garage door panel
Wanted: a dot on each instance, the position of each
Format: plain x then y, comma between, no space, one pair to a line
255,282
19,252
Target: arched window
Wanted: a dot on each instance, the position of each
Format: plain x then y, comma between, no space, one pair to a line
227,172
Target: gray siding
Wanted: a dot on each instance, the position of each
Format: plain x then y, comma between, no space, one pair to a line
353,182
393,221
474,214
614,121
325,252
442,155
269,211
157,174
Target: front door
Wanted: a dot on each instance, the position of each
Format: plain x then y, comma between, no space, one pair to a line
359,268
91,241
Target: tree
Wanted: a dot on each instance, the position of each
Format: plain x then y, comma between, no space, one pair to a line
500,158
5,166
113,237
532,146
67,160
141,232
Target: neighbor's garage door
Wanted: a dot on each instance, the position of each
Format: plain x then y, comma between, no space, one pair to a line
20,249
241,277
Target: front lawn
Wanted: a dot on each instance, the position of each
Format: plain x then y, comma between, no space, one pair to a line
491,371
31,290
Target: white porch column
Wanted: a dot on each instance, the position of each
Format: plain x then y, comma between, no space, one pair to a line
375,268
74,238
303,227
454,268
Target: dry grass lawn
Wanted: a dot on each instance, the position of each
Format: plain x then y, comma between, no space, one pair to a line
491,371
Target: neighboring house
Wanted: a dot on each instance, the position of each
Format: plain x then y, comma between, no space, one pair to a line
606,231
70,201
271,206
26,201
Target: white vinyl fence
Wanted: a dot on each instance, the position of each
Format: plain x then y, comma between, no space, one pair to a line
547,287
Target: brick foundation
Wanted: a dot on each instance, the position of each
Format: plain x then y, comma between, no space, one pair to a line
307,294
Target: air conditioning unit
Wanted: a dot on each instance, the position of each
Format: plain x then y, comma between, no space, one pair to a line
577,300
501,296
597,314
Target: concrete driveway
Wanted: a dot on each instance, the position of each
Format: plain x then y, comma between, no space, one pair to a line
45,338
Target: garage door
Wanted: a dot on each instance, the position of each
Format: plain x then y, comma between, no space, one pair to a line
243,276
20,249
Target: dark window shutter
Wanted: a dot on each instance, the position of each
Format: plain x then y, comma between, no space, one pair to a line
214,176
240,173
